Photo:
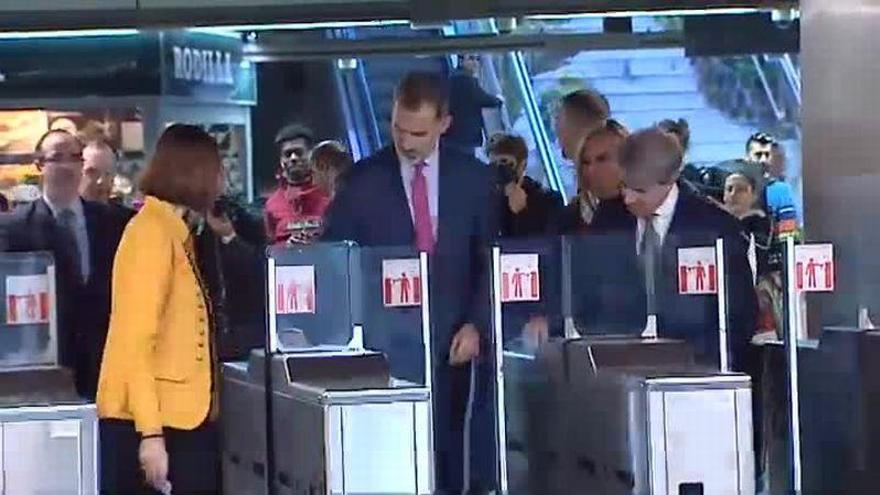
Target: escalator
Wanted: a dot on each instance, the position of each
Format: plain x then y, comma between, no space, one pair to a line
367,87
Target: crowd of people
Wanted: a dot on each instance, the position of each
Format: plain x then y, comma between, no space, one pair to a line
144,305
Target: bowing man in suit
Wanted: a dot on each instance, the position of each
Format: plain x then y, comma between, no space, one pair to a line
82,235
439,200
664,218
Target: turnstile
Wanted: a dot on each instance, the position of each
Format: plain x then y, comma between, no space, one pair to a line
625,416
343,420
341,425
48,435
49,450
606,413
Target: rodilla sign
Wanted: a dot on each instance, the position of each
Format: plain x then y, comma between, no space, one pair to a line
203,66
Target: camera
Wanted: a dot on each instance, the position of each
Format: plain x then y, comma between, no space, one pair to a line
504,173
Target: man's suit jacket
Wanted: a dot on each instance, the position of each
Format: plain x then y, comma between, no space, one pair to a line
83,308
695,223
372,210
466,103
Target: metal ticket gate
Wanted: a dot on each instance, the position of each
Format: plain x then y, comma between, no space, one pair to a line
604,412
48,435
350,377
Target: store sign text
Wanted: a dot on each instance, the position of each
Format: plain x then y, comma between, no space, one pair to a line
204,66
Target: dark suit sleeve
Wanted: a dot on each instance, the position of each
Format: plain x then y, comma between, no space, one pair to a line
742,298
486,226
340,223
479,96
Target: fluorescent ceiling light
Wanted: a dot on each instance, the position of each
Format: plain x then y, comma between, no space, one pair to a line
72,33
644,13
298,26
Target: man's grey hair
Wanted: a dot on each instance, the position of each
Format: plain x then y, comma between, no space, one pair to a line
654,153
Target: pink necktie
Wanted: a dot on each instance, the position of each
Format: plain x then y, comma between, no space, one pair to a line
421,209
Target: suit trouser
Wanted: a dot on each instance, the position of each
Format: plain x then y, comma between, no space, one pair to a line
464,439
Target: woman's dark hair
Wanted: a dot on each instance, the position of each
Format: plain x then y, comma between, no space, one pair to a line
185,168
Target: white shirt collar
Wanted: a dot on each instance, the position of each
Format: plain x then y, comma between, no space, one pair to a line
662,219
76,207
432,161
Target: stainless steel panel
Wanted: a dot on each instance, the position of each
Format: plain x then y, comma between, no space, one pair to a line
335,450
701,441
744,429
379,448
424,442
35,449
657,443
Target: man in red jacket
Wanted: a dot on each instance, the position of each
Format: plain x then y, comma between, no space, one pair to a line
294,212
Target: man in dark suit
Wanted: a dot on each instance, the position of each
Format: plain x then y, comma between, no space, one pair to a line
466,104
439,200
82,236
663,219
99,172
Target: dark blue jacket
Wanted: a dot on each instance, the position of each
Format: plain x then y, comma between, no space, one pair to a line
696,223
466,103
372,210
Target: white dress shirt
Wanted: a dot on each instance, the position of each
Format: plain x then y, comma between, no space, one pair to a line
662,218
432,176
80,231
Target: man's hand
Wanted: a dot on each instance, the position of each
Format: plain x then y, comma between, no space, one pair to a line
465,345
536,332
220,224
517,199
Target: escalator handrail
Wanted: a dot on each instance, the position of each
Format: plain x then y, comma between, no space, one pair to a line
367,98
539,130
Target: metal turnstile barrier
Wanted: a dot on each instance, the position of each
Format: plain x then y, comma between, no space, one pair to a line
48,435
606,413
350,378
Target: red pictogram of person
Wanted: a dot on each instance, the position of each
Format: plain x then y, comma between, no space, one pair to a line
811,273
310,299
31,306
417,289
389,291
517,284
799,274
279,299
292,296
701,276
505,286
12,308
534,284
683,279
713,278
829,275
404,288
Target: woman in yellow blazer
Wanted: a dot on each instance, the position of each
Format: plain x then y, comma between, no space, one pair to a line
157,384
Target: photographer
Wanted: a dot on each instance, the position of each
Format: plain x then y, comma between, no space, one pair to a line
230,243
529,209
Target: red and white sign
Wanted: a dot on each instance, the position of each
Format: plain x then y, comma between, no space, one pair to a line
401,283
814,267
294,290
520,279
27,300
697,271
